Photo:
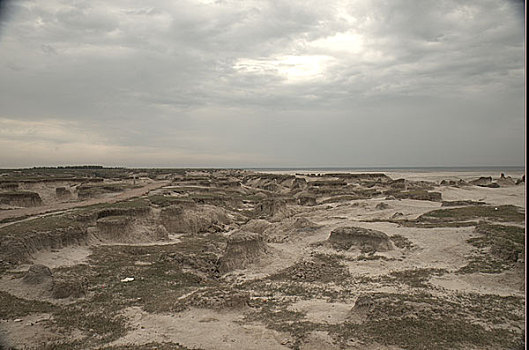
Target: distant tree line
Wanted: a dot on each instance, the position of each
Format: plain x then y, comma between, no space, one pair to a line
70,167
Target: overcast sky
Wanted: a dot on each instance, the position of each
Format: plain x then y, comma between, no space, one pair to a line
242,83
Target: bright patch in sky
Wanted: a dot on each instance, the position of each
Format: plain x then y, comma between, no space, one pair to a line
340,42
291,68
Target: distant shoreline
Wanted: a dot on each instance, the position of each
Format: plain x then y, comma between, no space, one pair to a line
392,169
290,169
414,174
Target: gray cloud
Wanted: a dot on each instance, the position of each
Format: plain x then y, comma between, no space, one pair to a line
263,83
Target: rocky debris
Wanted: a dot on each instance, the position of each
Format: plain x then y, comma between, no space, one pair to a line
448,183
382,206
365,239
521,180
505,181
483,181
20,198
38,274
461,183
243,248
397,215
454,183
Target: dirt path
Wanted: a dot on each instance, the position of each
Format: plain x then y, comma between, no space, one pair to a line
23,213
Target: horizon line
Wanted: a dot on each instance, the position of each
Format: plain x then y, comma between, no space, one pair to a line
97,166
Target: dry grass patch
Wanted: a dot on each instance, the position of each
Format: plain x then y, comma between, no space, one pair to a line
432,322
500,247
506,213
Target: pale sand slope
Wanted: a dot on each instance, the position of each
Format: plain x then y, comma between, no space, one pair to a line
201,328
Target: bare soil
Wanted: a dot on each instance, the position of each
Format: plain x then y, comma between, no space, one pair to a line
231,259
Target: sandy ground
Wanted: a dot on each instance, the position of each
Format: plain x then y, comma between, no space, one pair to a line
202,328
440,248
68,256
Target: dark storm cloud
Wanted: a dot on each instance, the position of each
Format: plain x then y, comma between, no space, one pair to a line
5,12
259,83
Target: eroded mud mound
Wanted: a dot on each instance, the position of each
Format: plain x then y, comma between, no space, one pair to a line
194,219
243,248
365,239
19,241
124,229
63,193
114,227
20,198
272,208
319,268
61,287
482,181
